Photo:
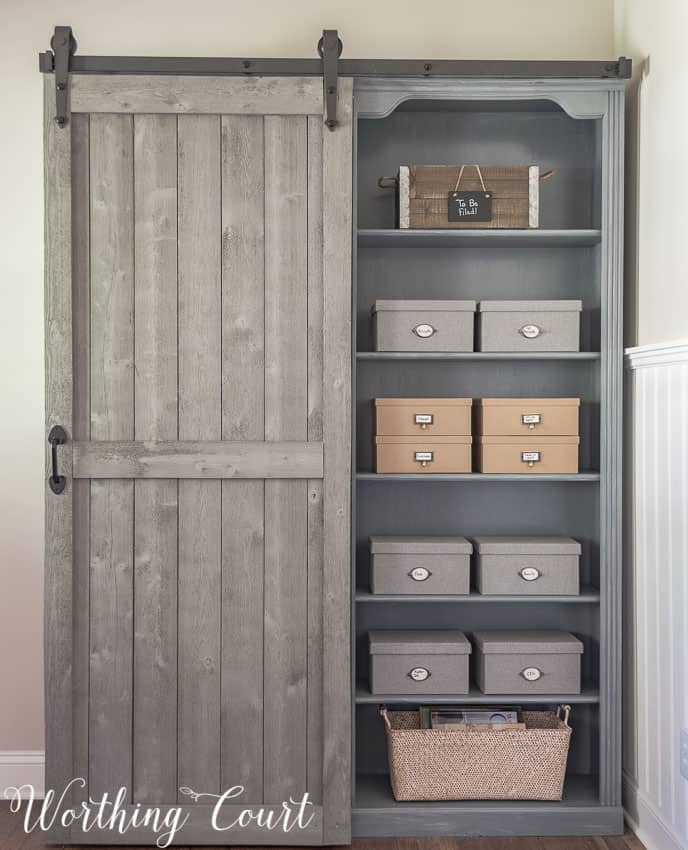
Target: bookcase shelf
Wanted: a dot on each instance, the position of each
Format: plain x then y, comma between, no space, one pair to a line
578,812
383,237
494,478
589,695
587,596
477,356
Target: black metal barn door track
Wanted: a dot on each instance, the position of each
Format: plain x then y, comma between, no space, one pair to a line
62,62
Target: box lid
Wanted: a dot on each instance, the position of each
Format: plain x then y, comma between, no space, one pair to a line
527,402
558,306
518,545
423,402
409,642
528,440
400,545
420,440
517,642
418,305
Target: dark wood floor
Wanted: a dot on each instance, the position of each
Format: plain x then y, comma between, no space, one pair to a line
13,837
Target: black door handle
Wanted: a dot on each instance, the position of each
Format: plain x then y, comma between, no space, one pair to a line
56,437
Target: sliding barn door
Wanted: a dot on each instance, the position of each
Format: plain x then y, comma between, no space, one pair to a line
198,265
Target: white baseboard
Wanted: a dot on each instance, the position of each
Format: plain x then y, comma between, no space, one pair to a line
644,819
22,768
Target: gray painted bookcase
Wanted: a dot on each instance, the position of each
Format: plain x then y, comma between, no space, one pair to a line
576,128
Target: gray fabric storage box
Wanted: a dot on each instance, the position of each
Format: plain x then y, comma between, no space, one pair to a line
527,566
419,662
527,662
529,325
423,325
420,565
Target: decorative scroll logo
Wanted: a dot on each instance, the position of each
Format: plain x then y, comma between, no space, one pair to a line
117,815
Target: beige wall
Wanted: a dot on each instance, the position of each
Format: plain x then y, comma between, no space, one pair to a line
538,29
654,35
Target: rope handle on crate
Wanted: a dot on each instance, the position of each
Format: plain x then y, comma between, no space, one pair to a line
563,712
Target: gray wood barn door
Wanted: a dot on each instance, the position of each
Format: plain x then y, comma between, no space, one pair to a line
198,256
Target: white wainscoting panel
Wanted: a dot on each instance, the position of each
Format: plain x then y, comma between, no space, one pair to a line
656,594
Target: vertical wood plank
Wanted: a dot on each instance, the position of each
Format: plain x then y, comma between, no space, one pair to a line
81,312
243,362
315,488
112,418
58,411
337,174
286,414
200,418
155,417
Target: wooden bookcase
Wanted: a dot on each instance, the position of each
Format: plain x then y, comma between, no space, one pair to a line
576,128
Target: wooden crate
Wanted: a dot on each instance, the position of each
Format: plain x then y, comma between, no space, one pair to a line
423,195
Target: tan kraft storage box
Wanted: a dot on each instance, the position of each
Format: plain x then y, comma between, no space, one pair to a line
423,455
527,416
527,455
424,417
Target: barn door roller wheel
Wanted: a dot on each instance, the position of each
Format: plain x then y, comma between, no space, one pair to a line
63,45
330,49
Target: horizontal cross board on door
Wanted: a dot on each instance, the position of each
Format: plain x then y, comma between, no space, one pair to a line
223,459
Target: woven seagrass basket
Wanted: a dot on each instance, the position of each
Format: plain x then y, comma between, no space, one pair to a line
478,764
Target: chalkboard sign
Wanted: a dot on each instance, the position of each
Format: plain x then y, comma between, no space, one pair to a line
470,206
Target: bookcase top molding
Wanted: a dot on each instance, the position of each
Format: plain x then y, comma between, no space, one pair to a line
584,99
